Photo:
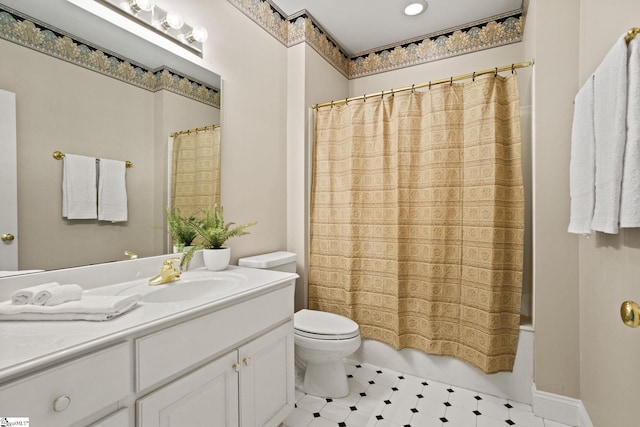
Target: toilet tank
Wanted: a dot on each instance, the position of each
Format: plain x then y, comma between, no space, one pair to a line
277,261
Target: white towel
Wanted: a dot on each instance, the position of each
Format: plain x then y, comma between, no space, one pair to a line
112,191
610,126
630,197
79,187
582,164
27,295
60,294
89,307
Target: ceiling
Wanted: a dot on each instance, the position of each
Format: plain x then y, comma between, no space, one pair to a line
364,25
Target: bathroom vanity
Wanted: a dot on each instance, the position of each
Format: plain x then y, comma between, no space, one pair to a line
192,358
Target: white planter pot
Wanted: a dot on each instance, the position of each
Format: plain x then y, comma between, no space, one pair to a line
216,259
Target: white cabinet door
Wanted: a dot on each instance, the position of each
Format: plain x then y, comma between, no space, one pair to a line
206,397
267,380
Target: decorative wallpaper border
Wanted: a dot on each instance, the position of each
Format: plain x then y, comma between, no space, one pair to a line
492,32
28,32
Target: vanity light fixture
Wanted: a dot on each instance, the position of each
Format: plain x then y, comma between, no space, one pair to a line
140,5
415,8
198,34
169,24
172,20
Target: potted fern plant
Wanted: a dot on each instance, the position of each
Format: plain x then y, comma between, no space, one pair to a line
182,233
212,232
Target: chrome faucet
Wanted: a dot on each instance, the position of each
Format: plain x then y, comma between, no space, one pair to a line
168,274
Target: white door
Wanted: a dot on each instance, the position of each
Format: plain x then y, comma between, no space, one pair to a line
8,183
267,379
204,398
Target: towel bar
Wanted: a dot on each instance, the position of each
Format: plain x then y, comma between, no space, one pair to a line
59,155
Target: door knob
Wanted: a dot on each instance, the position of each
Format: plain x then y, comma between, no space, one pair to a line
630,314
7,237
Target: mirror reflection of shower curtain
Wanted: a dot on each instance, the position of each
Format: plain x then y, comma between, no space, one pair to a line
195,170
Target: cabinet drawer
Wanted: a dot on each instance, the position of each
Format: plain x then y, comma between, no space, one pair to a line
167,352
68,393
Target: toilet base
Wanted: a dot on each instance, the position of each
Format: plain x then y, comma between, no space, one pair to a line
328,380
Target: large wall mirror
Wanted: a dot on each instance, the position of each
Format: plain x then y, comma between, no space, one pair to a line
87,87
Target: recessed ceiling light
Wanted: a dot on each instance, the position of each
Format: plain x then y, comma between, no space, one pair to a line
415,8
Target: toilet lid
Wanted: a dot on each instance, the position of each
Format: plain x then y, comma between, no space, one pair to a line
324,326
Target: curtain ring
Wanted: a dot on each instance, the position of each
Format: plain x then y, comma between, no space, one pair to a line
496,73
331,104
473,78
346,101
451,82
382,95
429,84
513,68
392,94
364,97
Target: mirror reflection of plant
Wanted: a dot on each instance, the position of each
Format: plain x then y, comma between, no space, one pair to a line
212,231
182,233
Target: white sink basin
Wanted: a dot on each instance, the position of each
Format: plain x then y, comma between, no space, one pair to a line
189,289
192,285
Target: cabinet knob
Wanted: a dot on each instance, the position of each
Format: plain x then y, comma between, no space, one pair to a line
246,361
235,367
8,237
61,403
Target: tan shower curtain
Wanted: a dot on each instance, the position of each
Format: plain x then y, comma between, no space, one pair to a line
417,219
195,172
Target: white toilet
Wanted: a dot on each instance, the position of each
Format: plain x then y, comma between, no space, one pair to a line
322,340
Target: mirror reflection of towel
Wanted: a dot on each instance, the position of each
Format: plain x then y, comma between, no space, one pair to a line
79,187
112,191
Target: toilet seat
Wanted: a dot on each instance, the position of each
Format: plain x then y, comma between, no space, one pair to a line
321,325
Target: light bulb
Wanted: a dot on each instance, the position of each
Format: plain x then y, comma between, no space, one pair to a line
138,5
173,20
414,9
198,34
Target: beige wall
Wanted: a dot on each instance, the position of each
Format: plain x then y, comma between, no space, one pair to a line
253,67
310,80
555,251
609,264
79,111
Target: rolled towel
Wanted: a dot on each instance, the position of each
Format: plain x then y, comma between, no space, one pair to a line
89,307
61,294
26,295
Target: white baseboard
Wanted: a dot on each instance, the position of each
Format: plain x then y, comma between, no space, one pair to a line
562,409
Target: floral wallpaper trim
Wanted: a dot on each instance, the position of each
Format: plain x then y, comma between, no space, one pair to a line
28,32
493,33
301,27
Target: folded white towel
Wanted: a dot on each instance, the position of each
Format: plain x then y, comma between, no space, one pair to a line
610,127
28,295
630,196
112,191
89,307
582,165
60,294
79,187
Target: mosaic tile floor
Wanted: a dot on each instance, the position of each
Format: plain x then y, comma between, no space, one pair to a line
385,398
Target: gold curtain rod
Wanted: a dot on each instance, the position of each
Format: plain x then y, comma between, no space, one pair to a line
631,34
450,80
194,130
59,155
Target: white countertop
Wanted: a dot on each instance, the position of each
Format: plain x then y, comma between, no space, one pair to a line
26,346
